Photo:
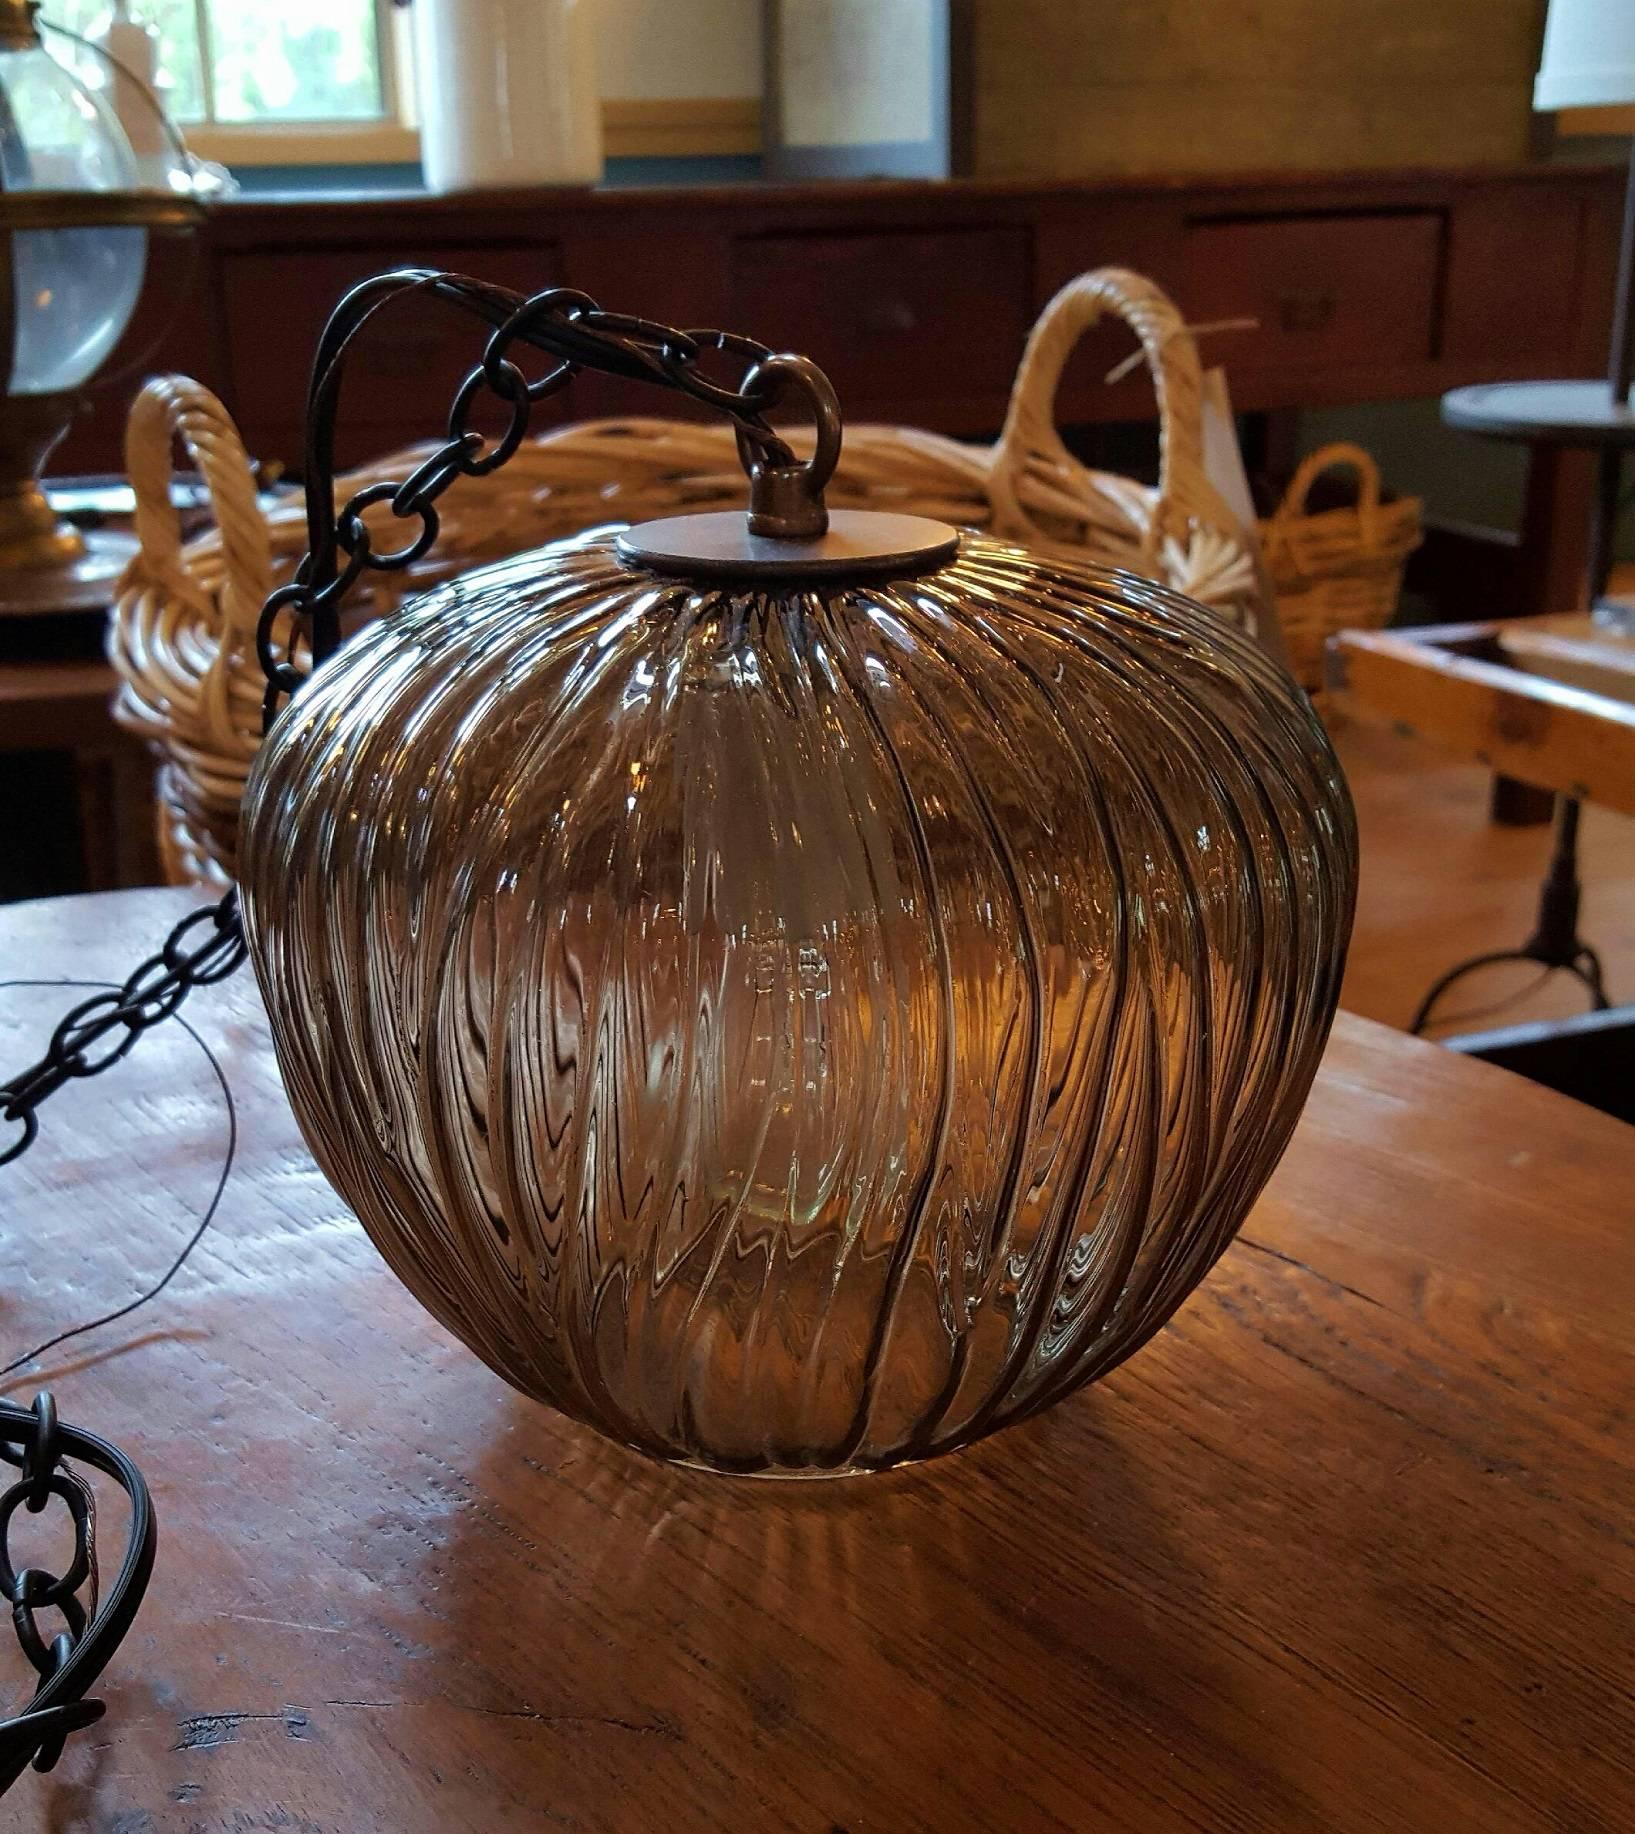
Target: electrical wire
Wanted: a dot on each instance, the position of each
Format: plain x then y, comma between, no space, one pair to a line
1502,1004
153,1292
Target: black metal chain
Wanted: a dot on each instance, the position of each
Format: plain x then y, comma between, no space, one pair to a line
206,946
577,335
69,1660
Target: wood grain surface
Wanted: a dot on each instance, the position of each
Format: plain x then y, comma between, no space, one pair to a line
1158,86
1347,1547
1574,647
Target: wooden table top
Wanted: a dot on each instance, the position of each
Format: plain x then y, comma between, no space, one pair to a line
1349,1546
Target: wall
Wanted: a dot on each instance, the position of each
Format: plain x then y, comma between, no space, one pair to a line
1461,478
653,49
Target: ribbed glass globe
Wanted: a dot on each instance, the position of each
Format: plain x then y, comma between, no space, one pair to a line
74,288
798,1031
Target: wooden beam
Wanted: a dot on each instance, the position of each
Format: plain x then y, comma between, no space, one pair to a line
678,126
1443,685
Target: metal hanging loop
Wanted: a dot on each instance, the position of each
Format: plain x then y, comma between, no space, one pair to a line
787,533
785,496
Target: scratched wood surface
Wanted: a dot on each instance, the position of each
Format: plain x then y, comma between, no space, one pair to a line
1348,1547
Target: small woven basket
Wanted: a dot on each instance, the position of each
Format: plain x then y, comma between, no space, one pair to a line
183,632
1335,569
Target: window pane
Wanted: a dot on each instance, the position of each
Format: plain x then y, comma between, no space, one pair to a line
181,77
302,60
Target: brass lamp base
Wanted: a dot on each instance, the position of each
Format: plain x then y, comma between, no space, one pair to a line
80,577
45,565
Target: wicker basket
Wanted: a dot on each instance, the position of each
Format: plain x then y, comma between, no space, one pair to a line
1335,569
183,629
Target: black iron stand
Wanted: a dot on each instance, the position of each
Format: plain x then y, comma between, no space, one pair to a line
1555,942
1570,414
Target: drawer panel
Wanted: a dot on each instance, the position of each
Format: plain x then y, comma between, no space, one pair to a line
1330,292
914,327
402,372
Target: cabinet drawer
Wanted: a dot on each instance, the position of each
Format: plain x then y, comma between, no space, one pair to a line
924,328
1330,292
401,373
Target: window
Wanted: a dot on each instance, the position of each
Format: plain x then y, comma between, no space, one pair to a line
331,82
294,80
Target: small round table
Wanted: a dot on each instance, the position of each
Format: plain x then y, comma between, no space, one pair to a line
1578,414
1582,415
1575,413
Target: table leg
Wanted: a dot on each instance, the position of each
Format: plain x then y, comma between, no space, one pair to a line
1555,942
1552,566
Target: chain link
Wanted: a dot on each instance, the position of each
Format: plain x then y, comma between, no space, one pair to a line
99,1031
578,335
96,1033
304,615
68,1660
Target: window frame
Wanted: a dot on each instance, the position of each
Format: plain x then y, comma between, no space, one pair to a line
632,127
389,138
305,143
680,127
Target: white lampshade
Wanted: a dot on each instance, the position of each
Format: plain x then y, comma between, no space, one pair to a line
1589,55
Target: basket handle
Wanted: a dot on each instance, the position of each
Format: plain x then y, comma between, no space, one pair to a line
1171,355
1312,467
172,408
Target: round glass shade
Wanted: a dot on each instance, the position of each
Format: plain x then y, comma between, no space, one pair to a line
795,1027
75,286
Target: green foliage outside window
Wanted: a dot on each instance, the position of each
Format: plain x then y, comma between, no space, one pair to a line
230,62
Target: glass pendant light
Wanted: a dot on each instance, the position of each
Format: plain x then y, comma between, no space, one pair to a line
796,991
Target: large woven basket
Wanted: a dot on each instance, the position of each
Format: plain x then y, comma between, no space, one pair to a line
1336,569
183,628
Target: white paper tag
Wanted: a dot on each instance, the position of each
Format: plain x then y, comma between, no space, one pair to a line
1223,466
1223,457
